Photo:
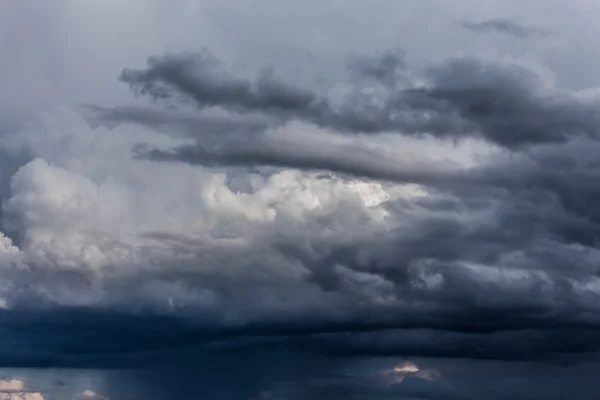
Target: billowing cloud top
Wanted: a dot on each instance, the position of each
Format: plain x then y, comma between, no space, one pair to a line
14,389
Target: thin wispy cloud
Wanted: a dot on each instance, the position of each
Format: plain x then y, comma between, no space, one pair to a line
507,27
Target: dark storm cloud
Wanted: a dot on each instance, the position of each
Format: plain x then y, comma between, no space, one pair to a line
348,160
525,216
511,106
521,215
203,78
504,104
301,287
510,241
496,261
387,68
508,28
88,337
179,123
533,215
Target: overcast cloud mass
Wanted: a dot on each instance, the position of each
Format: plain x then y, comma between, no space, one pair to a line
376,199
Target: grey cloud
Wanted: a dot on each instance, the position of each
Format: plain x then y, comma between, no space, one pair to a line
387,68
511,106
180,123
537,248
169,265
436,236
203,78
508,28
534,227
522,215
348,160
498,254
504,104
513,214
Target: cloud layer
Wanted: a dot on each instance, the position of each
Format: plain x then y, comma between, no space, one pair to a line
500,102
309,232
436,202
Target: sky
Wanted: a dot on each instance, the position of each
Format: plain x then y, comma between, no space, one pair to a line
378,199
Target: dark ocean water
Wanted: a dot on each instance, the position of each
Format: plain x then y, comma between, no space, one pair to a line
259,377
